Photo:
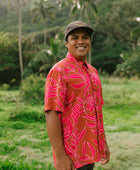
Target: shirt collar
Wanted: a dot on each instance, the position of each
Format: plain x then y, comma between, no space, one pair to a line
80,63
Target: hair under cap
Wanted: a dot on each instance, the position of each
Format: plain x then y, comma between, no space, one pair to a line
77,24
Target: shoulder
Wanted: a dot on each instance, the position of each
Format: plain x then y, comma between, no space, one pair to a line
59,66
58,69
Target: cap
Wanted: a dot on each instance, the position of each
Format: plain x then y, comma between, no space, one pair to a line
77,24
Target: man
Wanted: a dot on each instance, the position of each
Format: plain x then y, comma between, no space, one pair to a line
73,105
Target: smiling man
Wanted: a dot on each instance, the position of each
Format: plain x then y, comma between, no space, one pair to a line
73,105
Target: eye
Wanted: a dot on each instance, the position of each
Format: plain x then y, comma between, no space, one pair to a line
74,38
86,37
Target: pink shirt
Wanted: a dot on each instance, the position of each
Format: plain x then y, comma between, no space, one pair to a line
73,88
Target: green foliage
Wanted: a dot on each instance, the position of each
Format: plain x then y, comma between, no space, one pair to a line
18,125
8,96
116,32
130,66
45,58
85,8
44,9
9,57
11,165
106,53
5,148
29,48
26,116
38,37
5,86
32,89
116,24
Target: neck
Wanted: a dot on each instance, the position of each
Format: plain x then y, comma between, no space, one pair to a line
79,58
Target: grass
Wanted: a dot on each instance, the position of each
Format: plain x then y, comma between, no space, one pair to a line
24,142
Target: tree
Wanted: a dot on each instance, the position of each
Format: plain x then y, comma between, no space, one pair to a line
9,67
43,9
17,5
20,36
120,23
116,33
44,59
130,66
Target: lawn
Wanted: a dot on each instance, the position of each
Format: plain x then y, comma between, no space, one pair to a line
24,142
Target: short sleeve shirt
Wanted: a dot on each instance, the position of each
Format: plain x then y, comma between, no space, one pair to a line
74,90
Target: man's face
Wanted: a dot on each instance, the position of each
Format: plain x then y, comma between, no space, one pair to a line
78,44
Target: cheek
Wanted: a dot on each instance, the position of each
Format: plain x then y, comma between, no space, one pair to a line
72,43
89,44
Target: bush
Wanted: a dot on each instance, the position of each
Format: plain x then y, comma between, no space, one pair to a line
9,60
9,56
19,125
130,66
26,116
32,89
5,86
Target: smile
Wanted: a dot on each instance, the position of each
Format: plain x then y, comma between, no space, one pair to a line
80,48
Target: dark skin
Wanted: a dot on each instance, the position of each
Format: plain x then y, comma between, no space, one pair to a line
78,44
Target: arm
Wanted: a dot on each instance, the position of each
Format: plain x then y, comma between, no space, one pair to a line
106,159
55,136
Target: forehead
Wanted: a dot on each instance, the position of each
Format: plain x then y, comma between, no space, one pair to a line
79,31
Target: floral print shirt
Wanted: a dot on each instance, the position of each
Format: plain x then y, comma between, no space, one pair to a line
74,90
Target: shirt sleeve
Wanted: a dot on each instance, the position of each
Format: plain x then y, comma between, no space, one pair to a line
55,91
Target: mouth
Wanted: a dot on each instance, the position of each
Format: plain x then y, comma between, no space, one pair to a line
80,48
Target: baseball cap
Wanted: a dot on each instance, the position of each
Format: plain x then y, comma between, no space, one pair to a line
77,24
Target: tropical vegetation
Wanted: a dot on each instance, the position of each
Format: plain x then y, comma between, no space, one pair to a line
115,42
32,41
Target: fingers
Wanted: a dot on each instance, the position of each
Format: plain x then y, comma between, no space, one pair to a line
104,161
64,164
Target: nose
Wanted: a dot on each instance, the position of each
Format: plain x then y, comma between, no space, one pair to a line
80,40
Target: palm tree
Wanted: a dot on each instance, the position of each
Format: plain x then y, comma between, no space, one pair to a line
20,36
17,5
43,9
45,58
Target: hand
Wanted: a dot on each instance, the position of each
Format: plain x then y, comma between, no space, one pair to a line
106,159
63,162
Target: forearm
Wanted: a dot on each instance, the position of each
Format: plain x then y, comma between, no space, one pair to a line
55,132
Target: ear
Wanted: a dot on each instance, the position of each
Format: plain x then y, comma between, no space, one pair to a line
66,44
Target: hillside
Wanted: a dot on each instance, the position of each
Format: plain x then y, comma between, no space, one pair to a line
9,19
115,44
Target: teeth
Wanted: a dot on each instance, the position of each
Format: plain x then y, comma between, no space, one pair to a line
81,48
